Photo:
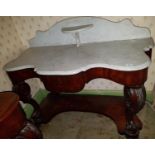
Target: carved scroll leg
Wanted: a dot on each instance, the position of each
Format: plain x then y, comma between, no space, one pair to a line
24,92
134,100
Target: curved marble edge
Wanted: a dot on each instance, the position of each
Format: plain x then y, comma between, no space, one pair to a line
82,69
18,68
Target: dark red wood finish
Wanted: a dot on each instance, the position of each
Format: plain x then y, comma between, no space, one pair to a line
109,106
13,120
75,83
122,111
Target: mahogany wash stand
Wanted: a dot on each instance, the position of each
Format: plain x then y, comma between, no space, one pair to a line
77,50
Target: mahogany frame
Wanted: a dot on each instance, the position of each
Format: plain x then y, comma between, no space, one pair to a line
122,110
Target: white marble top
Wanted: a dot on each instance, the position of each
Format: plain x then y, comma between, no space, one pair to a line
78,44
124,55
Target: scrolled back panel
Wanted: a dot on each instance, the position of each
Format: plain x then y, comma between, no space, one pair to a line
102,30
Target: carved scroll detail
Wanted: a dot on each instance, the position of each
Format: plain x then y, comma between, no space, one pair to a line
134,100
24,92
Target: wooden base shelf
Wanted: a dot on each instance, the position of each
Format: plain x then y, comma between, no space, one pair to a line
110,106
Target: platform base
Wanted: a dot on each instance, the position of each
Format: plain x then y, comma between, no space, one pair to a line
110,106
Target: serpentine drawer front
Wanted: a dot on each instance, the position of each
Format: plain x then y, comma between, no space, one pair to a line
76,50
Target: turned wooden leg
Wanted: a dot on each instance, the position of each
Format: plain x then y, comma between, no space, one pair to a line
24,92
134,100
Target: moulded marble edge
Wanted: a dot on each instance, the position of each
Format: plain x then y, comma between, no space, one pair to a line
76,71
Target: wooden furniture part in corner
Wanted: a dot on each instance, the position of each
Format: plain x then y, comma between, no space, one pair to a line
77,50
13,122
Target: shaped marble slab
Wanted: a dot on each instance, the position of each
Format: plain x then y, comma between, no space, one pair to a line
126,55
91,29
